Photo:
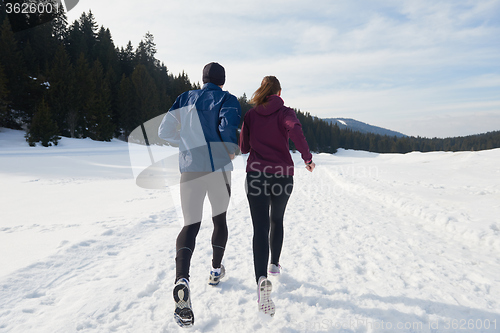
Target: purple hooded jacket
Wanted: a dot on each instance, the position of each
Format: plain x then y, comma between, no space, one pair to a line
265,133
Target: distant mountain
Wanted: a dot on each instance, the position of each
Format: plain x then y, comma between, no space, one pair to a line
359,126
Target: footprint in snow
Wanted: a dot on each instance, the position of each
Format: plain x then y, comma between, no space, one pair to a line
35,294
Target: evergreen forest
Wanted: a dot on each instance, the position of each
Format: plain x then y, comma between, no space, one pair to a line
70,79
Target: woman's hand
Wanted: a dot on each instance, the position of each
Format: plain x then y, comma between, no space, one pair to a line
310,167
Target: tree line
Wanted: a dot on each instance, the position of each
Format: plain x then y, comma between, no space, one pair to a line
325,137
60,79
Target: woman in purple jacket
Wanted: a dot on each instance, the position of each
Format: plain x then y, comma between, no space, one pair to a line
269,183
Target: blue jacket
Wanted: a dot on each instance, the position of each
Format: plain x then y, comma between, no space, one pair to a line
203,123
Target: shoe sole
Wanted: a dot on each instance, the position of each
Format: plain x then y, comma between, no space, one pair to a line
213,283
266,305
274,273
183,313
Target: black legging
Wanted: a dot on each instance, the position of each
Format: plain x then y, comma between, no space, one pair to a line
266,191
186,241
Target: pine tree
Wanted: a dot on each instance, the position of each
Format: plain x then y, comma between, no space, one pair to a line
3,99
180,84
74,42
99,121
84,96
40,38
335,137
146,51
61,94
245,107
146,93
127,59
88,30
163,83
311,139
16,75
128,116
106,52
113,81
60,26
43,129
150,46
82,37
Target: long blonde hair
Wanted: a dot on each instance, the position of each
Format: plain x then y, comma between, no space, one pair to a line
269,86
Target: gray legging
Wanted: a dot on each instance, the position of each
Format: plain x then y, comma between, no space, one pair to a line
194,187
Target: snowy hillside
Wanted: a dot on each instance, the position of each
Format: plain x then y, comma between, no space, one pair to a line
358,126
373,243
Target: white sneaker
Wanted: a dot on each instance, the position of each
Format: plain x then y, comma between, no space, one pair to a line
274,270
215,275
264,288
183,313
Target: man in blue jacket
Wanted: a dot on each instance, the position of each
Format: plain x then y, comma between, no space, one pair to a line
203,124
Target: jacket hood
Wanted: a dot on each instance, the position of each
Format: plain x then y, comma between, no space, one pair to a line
273,104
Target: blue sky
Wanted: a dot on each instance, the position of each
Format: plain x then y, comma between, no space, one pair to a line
421,67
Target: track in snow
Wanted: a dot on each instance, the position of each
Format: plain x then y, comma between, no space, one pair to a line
370,241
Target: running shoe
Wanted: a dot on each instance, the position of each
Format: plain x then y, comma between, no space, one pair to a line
264,288
215,275
183,313
274,270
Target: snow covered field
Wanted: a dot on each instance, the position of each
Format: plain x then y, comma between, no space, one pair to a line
373,243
